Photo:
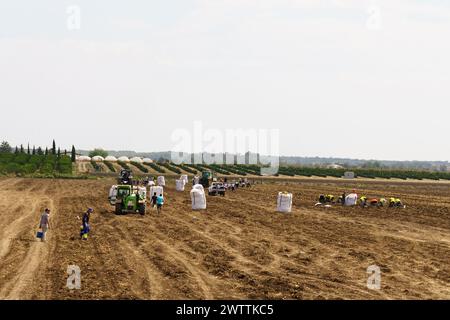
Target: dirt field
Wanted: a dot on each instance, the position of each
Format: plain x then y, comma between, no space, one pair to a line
238,248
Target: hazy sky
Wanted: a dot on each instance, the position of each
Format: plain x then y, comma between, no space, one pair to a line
348,78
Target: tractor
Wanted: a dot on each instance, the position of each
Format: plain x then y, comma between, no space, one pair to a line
127,198
125,177
206,178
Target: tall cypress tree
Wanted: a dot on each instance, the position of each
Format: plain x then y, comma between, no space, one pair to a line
46,151
16,151
21,148
34,150
73,156
28,148
54,147
59,152
39,151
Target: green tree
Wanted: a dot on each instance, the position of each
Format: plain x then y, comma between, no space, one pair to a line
5,147
16,151
46,151
53,147
59,152
21,149
98,152
34,150
39,151
28,149
73,155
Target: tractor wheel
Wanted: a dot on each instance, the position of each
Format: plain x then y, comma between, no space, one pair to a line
142,209
118,209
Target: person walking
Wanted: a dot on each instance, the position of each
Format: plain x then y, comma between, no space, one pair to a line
159,203
44,223
153,200
85,227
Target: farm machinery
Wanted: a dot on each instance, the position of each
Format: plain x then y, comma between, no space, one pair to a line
206,178
125,177
216,188
127,198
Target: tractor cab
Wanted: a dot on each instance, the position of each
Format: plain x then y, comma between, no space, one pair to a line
206,178
125,177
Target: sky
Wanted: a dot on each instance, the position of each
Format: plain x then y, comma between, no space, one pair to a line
361,79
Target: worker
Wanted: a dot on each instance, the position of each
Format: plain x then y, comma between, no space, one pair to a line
159,203
342,198
398,203
329,198
153,200
373,202
391,202
382,202
44,223
363,201
85,227
322,199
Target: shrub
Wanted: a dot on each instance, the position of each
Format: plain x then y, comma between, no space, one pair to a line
96,166
170,168
110,166
156,167
185,168
124,165
98,152
140,166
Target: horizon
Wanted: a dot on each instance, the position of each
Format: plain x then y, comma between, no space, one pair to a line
13,146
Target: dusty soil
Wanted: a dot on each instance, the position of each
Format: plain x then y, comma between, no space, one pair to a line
238,248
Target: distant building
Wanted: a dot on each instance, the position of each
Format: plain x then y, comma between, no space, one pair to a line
349,175
334,166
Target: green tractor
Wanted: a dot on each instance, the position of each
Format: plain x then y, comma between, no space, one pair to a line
206,178
127,198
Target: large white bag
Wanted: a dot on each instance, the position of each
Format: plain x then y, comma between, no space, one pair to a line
284,202
179,185
351,199
196,180
199,187
161,181
198,198
156,189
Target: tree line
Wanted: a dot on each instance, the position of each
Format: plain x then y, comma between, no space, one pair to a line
37,161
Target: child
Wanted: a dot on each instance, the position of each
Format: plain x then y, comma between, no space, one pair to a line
159,203
153,201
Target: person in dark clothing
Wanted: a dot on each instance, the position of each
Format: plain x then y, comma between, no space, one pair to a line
343,198
153,201
85,228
